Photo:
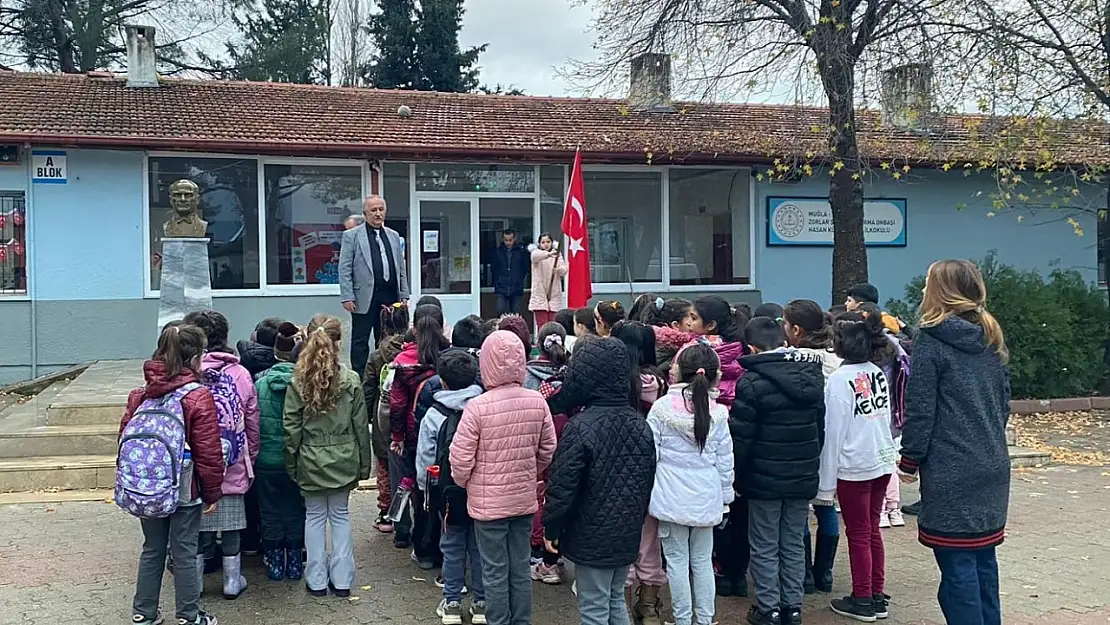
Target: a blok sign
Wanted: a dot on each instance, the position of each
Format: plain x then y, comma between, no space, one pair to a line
48,167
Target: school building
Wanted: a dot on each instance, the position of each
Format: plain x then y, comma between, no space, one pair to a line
677,199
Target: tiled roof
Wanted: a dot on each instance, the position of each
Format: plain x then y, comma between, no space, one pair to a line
100,110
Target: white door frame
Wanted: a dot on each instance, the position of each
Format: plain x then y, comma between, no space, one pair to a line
454,301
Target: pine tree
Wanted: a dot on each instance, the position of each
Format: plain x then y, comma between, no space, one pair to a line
285,41
443,66
394,31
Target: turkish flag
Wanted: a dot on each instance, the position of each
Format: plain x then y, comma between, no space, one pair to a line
579,284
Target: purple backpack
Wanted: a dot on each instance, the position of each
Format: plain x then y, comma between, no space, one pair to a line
229,409
151,451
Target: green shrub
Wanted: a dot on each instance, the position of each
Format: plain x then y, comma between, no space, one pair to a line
1055,328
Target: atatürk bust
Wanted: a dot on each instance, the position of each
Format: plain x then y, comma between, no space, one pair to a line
185,223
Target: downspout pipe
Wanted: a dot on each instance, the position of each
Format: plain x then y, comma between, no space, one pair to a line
30,249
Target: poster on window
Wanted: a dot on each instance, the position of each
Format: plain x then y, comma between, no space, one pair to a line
808,221
315,254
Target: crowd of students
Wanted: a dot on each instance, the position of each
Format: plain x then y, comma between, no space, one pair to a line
677,443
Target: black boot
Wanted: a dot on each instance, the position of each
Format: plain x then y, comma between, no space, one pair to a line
738,586
824,555
809,587
724,585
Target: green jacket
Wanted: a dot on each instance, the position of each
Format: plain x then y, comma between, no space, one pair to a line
271,389
329,452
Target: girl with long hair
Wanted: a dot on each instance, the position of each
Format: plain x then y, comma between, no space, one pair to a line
394,324
669,320
327,452
715,322
548,269
606,315
954,439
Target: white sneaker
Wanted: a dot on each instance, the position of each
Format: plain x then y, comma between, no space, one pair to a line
896,518
449,613
546,574
884,520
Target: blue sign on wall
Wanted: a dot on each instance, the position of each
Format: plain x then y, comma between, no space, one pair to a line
808,221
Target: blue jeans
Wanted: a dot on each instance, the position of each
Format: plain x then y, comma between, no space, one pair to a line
690,550
508,305
827,522
459,545
968,593
601,595
506,548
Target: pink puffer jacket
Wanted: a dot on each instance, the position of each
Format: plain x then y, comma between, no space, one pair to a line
239,476
505,438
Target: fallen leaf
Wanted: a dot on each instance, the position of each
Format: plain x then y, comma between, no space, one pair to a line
366,588
353,598
419,579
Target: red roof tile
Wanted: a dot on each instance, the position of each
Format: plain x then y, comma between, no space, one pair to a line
309,120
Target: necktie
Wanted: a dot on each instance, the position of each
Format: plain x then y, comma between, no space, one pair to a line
381,250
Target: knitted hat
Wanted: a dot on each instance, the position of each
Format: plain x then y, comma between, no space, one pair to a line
518,326
285,342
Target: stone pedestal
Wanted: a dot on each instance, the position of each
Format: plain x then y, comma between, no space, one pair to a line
186,279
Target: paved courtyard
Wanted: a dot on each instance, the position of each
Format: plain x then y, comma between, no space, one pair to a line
75,562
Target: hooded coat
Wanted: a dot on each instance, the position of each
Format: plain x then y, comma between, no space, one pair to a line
426,445
778,425
599,485
202,428
729,354
377,411
957,405
255,357
238,477
409,372
505,438
539,371
272,387
547,283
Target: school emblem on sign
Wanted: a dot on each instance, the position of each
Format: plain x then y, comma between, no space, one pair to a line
790,220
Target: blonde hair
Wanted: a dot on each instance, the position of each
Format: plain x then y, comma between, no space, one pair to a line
955,287
317,371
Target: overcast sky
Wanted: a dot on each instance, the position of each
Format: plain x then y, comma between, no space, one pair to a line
528,40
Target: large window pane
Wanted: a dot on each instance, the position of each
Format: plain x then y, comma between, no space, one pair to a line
552,197
445,247
476,178
306,206
709,226
624,211
395,190
13,243
228,202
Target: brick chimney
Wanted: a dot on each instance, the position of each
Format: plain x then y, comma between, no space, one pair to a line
141,69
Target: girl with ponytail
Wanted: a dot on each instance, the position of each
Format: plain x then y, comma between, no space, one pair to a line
954,438
713,321
693,478
327,452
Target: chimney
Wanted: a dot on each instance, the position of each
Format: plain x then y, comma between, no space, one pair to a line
141,70
907,96
651,82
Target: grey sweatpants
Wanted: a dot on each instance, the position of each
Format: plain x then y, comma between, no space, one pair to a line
775,530
506,546
176,535
338,568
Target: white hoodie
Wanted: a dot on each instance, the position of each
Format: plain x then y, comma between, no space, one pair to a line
858,446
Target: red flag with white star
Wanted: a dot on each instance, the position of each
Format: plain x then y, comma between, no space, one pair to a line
579,284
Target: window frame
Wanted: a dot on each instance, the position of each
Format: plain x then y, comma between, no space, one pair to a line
264,290
27,294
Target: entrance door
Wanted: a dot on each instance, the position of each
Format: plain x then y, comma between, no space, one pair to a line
445,245
496,216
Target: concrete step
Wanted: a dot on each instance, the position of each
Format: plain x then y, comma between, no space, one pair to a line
85,413
57,472
1026,457
98,396
59,440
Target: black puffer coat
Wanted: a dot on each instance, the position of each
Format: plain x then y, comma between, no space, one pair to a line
778,425
600,481
255,357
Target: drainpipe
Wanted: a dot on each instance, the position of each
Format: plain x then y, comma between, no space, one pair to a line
30,249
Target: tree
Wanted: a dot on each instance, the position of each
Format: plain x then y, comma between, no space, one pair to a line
284,41
725,47
351,47
393,28
418,47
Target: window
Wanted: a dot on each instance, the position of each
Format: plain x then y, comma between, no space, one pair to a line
624,211
13,243
552,198
476,178
446,250
395,190
228,202
709,226
306,206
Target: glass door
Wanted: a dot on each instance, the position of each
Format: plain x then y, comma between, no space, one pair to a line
502,219
446,247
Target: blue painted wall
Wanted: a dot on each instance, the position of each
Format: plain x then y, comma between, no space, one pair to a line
88,233
936,229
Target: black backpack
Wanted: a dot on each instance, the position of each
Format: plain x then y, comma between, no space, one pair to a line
449,498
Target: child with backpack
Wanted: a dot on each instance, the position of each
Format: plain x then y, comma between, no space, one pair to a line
394,324
180,411
504,440
327,452
457,371
279,499
237,406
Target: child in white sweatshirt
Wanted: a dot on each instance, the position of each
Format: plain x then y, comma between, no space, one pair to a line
858,458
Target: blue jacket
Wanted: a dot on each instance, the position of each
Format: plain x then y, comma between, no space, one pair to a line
510,270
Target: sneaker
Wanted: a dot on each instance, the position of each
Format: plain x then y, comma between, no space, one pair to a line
203,618
402,541
139,619
912,509
896,518
757,617
884,520
537,556
382,524
478,613
881,603
862,610
422,564
792,615
316,593
449,613
440,584
548,574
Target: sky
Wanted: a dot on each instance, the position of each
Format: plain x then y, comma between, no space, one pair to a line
528,40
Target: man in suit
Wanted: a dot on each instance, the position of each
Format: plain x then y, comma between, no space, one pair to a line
371,275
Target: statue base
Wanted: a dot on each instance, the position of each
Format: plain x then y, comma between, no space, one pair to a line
186,279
